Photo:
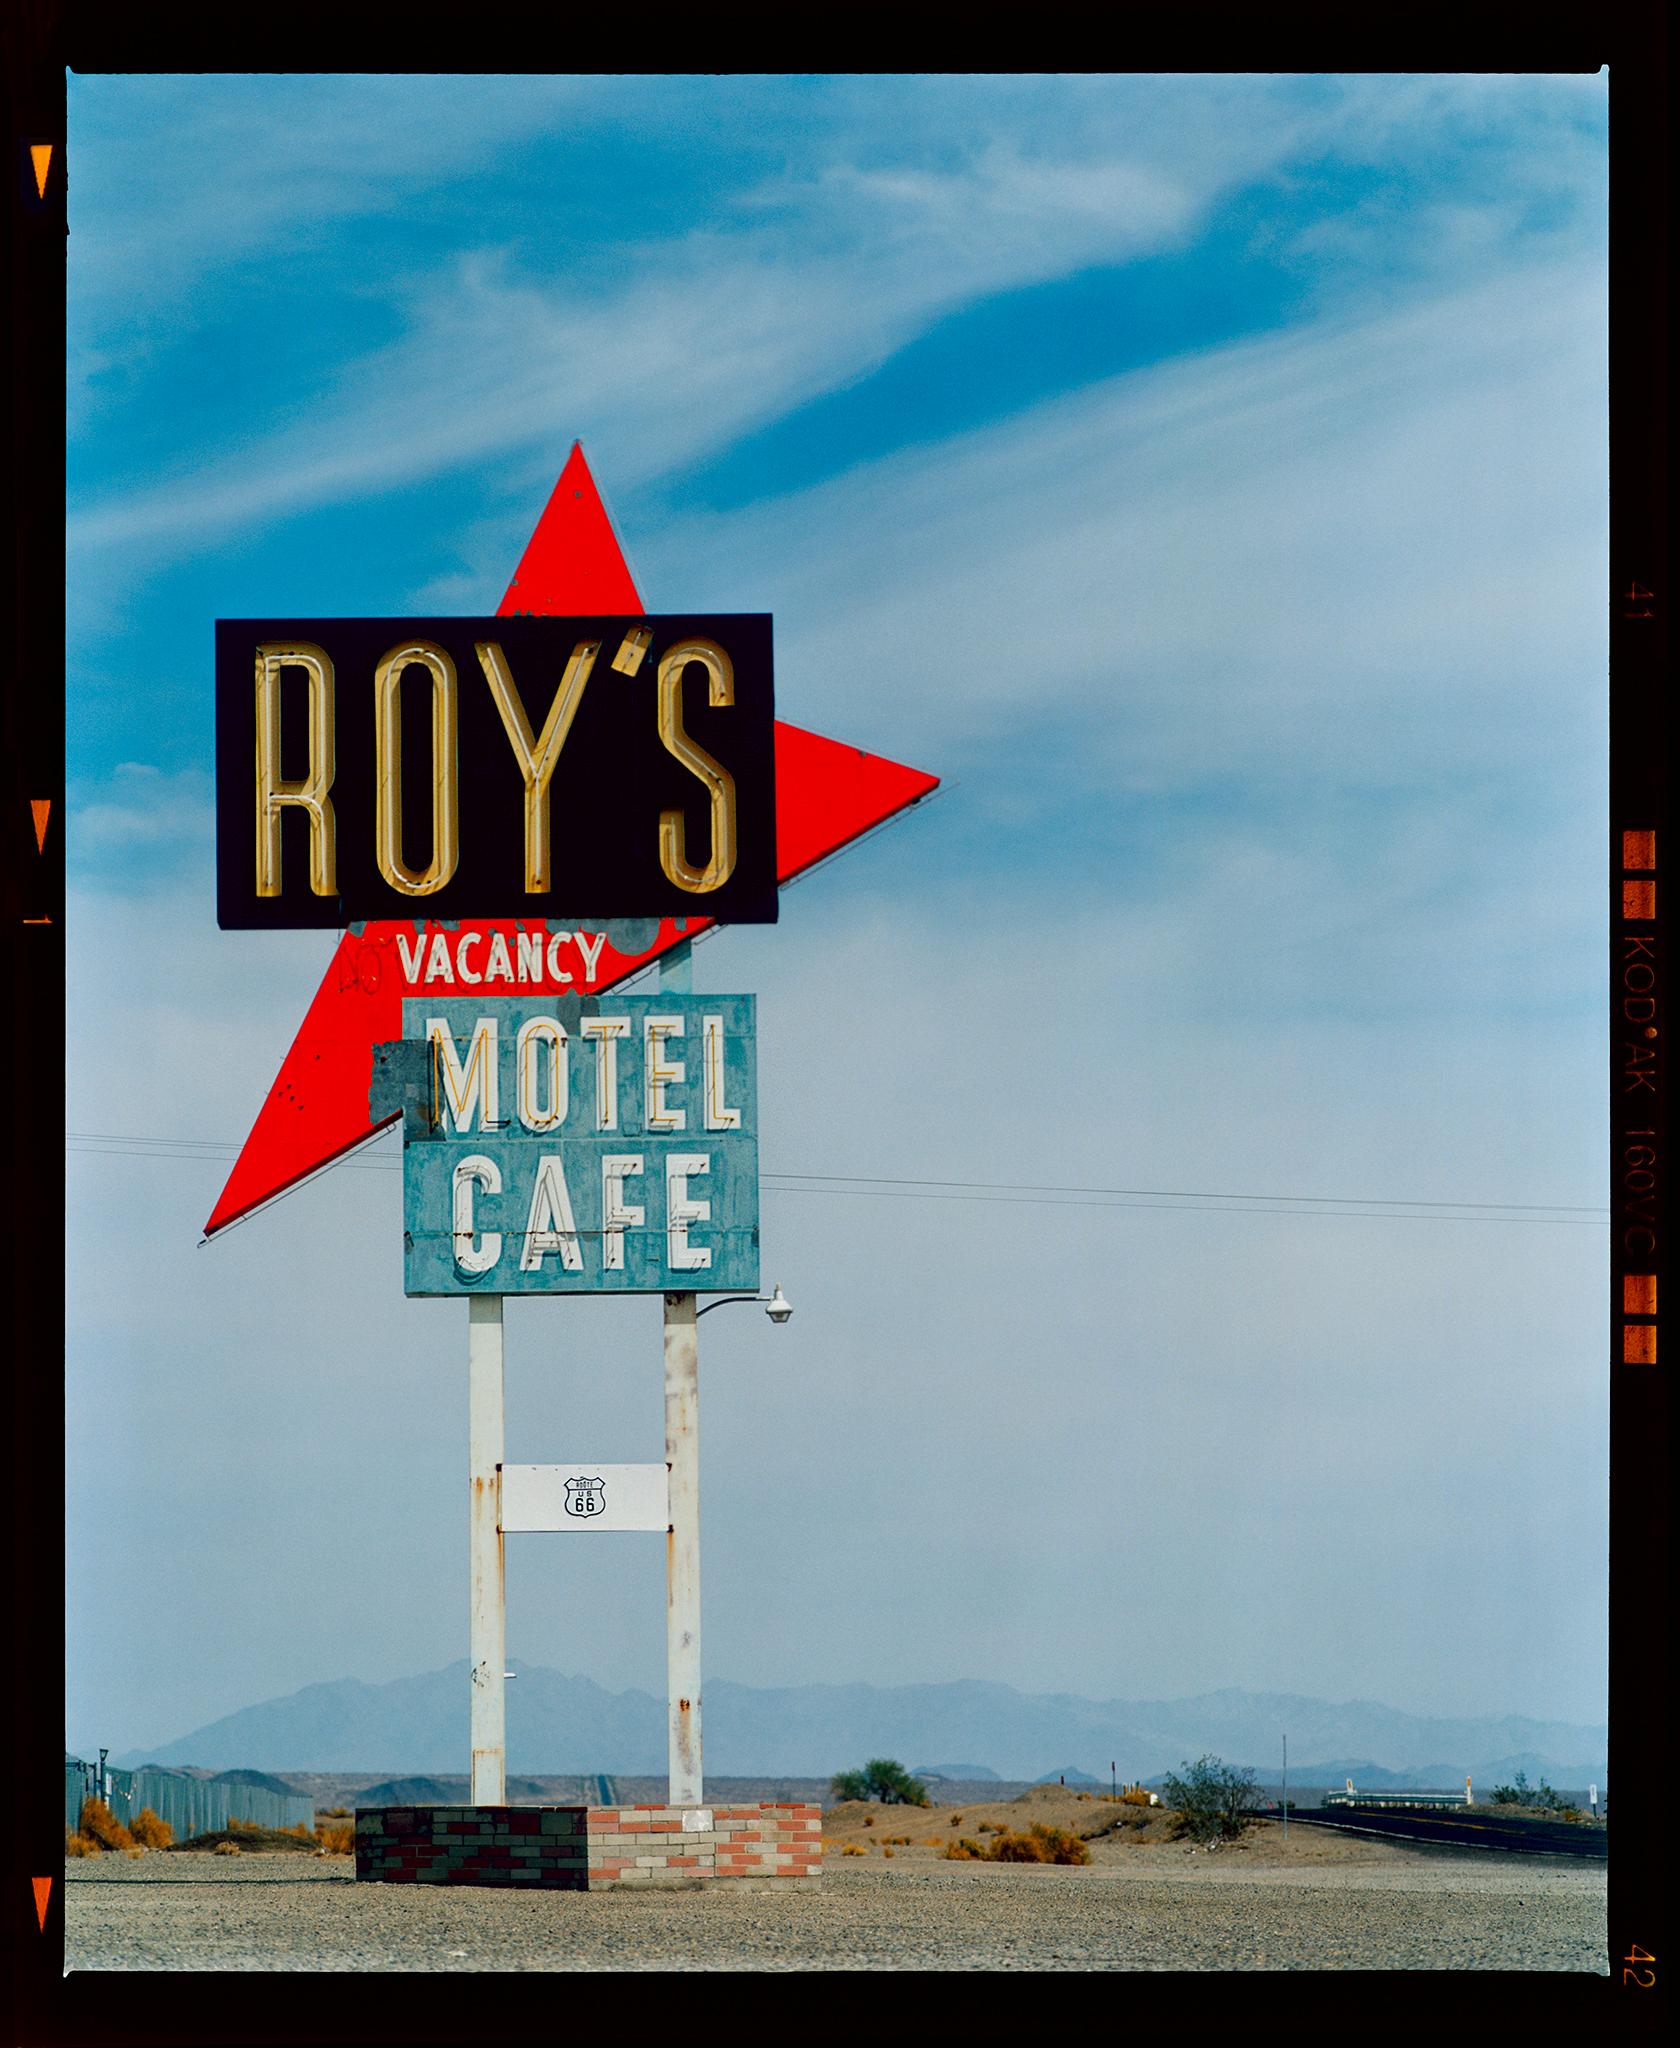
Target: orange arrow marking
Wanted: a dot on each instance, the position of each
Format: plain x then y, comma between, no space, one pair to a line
40,154
43,1892
40,806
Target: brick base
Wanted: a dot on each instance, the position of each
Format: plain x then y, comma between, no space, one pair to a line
772,1845
514,1845
577,1848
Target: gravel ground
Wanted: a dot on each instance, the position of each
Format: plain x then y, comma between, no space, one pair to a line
1415,1911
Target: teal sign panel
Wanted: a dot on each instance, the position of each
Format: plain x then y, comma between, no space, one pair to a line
576,1145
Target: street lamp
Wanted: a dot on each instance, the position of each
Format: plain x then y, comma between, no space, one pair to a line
775,1304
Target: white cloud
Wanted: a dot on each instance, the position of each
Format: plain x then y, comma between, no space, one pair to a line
733,318
1339,550
140,813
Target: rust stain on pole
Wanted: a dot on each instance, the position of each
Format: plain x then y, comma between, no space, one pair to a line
488,1580
682,1550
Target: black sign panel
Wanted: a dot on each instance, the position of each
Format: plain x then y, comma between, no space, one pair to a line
573,768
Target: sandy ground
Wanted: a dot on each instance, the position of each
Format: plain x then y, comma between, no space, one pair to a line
1135,1838
1324,1903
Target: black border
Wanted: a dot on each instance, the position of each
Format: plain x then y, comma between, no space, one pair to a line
41,37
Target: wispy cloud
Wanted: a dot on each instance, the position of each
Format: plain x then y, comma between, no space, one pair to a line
1208,563
140,822
677,341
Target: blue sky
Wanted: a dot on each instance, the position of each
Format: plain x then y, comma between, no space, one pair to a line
1206,476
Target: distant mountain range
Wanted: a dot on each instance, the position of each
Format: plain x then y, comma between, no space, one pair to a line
560,1723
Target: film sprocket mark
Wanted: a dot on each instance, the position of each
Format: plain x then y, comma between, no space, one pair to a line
616,766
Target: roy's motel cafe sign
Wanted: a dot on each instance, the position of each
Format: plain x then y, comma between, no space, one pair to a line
452,796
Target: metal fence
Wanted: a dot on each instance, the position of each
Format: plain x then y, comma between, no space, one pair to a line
192,1806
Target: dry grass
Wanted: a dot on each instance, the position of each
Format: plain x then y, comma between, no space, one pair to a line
77,1844
1038,1844
101,1826
227,1849
151,1830
336,1841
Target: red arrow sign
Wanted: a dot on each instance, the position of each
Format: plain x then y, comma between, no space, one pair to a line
827,795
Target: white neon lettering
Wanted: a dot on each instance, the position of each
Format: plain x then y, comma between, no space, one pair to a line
459,1092
606,1032
663,1074
474,1170
680,1212
618,1215
719,1116
538,1035
550,1227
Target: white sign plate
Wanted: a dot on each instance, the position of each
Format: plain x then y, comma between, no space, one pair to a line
585,1497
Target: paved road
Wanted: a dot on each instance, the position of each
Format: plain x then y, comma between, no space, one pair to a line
1465,1831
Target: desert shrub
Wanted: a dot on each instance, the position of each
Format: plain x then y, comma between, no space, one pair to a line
1056,1845
882,1778
1010,1848
336,1841
993,1827
227,1849
956,1820
151,1830
102,1826
1214,1800
869,1820
886,1849
236,1826
962,1850
854,1849
1543,1797
1134,1795
1040,1844
334,1813
79,1845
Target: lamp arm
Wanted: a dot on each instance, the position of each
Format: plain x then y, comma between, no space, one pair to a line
724,1300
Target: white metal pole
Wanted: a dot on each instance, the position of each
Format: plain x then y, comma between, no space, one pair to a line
682,1547
488,1633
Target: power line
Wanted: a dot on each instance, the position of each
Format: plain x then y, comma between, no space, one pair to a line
1213,1201
1192,1194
